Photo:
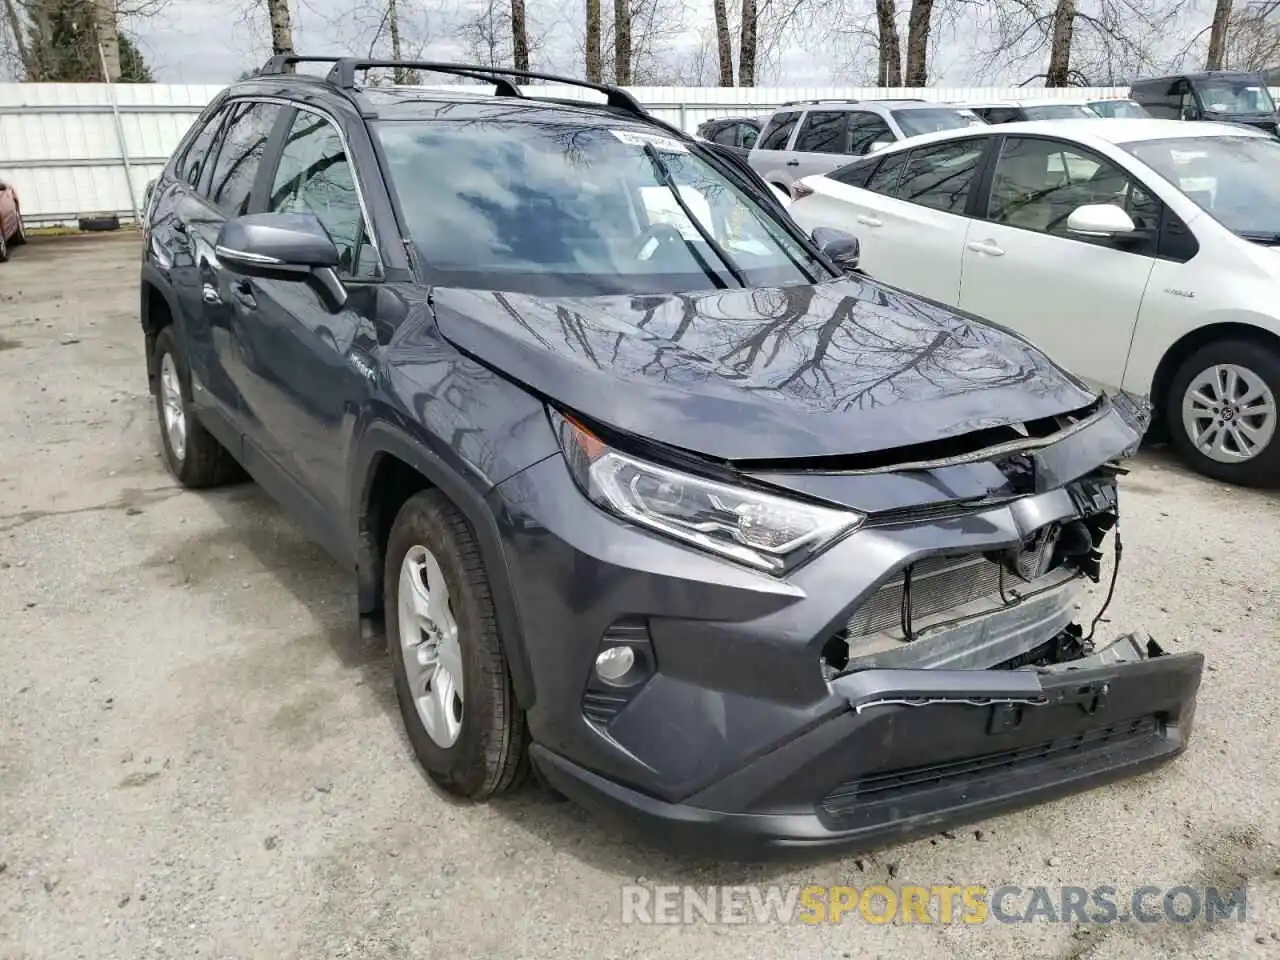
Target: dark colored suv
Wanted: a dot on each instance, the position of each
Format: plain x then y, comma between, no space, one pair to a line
644,484
1227,96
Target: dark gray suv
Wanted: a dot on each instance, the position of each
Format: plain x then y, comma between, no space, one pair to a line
648,490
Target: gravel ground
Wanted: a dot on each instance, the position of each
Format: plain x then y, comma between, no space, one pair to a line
200,757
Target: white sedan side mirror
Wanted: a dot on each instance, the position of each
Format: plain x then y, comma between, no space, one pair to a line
1101,220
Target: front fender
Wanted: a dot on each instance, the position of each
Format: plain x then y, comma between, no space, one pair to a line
383,439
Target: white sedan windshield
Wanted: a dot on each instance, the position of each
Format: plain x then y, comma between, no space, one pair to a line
1231,178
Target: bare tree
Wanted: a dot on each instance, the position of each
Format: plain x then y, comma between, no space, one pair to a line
281,26
747,44
1218,34
519,36
1252,40
1106,41
622,41
889,73
918,23
724,43
595,73
1059,71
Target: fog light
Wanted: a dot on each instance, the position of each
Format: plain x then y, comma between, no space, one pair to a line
614,663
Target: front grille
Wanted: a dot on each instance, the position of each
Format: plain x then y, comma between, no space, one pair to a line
899,786
939,584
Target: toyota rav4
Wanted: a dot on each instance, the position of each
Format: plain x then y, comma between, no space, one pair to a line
649,491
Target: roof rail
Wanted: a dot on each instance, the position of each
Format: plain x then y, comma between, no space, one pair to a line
796,103
282,61
897,100
344,70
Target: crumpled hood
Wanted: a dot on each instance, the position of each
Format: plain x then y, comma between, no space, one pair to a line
837,368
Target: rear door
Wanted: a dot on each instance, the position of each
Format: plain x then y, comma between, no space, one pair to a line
225,191
909,214
1074,297
821,143
769,156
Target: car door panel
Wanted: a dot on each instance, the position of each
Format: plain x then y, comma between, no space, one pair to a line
770,156
1076,299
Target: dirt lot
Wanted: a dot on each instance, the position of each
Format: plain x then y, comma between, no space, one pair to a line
199,756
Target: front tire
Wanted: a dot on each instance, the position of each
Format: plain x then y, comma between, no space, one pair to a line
20,237
451,677
191,453
1222,411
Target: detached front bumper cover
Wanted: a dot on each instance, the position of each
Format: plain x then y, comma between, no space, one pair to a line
920,750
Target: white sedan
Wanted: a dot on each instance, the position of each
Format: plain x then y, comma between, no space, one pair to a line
1142,255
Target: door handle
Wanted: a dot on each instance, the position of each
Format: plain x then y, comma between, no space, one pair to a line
989,247
870,221
209,294
244,293
793,163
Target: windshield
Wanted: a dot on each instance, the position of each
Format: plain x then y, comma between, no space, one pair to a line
1119,109
1058,111
561,210
1234,96
1233,179
932,120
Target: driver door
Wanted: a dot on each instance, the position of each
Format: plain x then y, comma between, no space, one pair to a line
1075,298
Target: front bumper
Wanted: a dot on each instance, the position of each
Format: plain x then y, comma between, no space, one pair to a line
906,760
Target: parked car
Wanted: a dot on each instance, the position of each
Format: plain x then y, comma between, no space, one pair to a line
1228,96
12,231
816,136
645,489
1140,254
1016,111
1118,108
737,133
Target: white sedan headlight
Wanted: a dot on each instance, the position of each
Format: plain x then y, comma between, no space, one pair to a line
759,529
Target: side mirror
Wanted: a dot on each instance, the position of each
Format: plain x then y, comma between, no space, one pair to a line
1102,221
839,247
283,246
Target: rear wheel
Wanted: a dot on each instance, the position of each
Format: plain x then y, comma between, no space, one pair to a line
1222,412
19,238
4,247
191,453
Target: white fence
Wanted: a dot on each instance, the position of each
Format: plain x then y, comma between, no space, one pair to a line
72,152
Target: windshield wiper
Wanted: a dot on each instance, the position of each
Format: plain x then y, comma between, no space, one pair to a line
1267,239
664,177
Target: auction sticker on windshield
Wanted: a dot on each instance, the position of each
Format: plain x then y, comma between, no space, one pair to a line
636,139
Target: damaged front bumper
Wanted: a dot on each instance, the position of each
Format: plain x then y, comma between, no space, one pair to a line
927,669
921,750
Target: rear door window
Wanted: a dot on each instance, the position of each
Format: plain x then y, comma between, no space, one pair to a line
778,132
941,177
885,179
823,131
195,158
244,143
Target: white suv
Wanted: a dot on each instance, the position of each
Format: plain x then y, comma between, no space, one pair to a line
805,137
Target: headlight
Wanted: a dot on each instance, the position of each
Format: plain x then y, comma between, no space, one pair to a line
758,529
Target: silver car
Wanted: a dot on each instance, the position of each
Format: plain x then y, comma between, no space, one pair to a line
805,137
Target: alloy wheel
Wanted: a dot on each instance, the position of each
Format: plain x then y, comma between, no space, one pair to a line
429,646
175,416
1229,413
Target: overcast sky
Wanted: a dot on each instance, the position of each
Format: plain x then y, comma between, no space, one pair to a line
198,41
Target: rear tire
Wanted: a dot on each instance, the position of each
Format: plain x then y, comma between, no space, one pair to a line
467,731
1221,412
191,453
19,238
4,248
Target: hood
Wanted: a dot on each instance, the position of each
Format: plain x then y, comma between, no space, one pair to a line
837,368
